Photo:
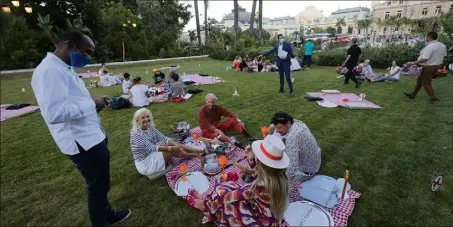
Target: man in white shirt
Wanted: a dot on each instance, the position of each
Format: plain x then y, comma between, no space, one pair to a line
126,83
70,114
431,58
140,94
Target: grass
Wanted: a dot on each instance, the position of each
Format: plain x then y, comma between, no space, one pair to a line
391,154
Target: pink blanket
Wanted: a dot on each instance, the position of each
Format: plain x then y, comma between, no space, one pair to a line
201,79
338,99
8,114
90,74
340,214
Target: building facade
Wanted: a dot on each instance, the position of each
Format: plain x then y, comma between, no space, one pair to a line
410,9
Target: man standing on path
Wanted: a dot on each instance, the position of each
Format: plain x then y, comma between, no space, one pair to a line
283,52
309,47
70,114
431,58
352,60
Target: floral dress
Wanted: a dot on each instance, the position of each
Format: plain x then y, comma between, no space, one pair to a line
233,204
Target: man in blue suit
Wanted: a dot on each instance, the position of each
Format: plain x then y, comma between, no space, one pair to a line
283,51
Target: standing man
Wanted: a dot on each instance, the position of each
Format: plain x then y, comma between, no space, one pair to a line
309,47
70,114
352,60
431,58
283,51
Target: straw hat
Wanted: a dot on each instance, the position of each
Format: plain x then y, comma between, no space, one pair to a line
155,70
270,152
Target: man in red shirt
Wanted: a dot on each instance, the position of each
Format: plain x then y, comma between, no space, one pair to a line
209,119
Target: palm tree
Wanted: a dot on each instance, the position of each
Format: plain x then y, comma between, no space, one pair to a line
46,25
379,23
192,38
252,16
340,22
366,24
77,24
197,19
260,20
390,22
236,16
359,24
404,22
206,6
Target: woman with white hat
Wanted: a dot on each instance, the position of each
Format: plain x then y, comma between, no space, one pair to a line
259,203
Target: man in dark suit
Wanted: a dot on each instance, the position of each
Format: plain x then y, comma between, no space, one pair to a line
283,52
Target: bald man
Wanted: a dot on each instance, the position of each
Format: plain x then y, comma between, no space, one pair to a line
71,116
209,119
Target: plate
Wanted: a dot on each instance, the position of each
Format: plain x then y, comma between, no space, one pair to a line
196,145
327,104
195,180
305,213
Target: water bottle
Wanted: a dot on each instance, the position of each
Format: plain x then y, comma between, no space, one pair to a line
362,95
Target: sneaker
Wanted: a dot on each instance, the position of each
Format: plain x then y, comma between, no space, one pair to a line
291,94
433,100
410,95
346,82
281,91
357,85
120,216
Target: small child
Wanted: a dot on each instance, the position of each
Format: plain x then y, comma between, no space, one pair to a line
126,83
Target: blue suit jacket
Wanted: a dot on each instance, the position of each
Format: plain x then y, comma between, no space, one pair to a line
283,62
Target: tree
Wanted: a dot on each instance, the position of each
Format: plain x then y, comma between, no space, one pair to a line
366,24
206,6
197,20
391,22
46,25
78,25
339,24
330,30
317,30
260,20
236,16
252,15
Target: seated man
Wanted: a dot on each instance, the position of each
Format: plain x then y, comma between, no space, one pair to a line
209,119
301,147
392,75
159,77
139,94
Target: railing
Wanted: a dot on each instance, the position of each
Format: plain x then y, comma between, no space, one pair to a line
111,64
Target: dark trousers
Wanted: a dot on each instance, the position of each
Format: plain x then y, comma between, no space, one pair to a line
284,71
94,164
350,74
306,61
424,80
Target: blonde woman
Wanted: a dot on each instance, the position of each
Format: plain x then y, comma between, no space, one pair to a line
152,150
260,203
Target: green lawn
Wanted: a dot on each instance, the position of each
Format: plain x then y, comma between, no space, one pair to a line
391,154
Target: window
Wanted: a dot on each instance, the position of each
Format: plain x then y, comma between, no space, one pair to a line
387,15
389,3
398,13
425,11
438,9
396,29
401,1
451,8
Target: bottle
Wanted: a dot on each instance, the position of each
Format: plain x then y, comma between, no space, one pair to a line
362,95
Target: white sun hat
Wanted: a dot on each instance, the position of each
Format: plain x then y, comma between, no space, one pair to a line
270,152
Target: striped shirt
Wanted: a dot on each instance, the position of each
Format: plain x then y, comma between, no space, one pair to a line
144,142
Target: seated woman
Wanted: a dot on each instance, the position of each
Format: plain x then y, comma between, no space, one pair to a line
102,69
301,147
367,71
392,75
159,77
260,63
177,87
104,79
150,149
139,94
259,203
237,62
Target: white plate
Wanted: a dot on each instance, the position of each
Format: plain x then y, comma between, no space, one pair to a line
195,180
327,104
197,145
305,213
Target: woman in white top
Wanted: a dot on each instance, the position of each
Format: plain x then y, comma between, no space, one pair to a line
140,96
367,71
150,149
393,74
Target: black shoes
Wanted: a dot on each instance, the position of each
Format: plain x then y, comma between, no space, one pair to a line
357,85
434,99
280,91
410,95
120,216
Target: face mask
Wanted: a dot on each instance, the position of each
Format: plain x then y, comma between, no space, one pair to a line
282,40
78,60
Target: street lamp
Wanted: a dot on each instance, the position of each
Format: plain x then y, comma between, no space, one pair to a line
15,3
134,25
124,25
28,8
6,9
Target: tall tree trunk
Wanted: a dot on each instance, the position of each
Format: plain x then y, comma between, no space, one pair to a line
252,17
260,20
197,17
206,5
236,17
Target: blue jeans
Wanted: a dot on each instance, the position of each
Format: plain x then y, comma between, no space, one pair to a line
94,164
382,78
284,72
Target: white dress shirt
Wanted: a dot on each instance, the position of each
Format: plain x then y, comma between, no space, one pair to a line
139,98
66,106
434,52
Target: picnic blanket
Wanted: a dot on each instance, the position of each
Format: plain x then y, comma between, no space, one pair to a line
340,214
171,67
201,79
89,74
338,99
8,114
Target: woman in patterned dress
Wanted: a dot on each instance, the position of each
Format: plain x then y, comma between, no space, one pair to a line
260,203
152,150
